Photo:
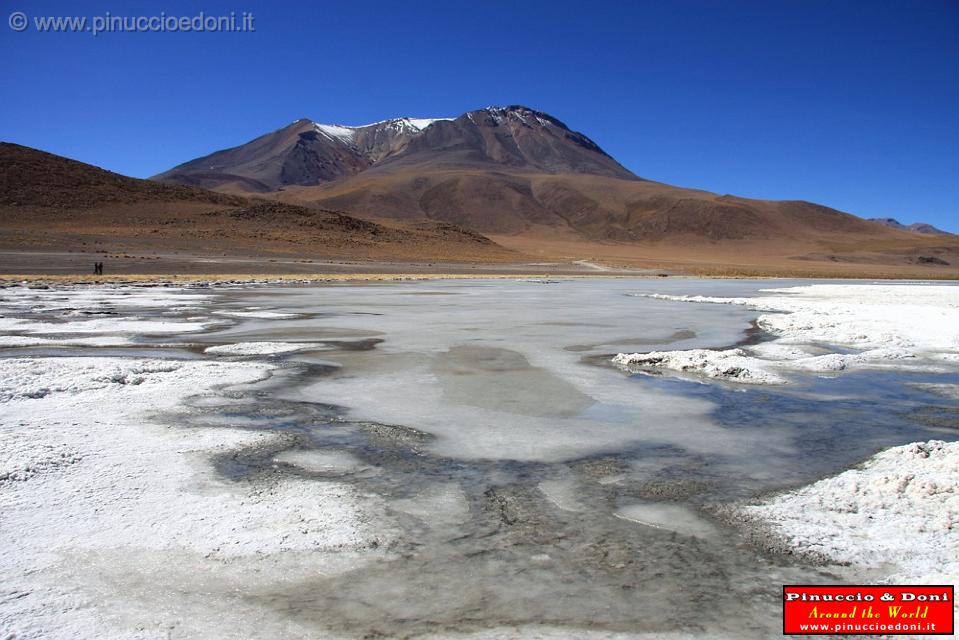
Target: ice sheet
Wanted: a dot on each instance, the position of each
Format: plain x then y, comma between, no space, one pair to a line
487,370
670,517
318,461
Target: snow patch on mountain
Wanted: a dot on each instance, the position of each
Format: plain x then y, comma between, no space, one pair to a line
524,115
347,134
337,132
421,123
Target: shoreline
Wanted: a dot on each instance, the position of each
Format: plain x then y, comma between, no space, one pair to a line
60,266
297,278
214,279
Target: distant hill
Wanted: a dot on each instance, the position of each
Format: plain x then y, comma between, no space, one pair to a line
53,202
917,227
35,178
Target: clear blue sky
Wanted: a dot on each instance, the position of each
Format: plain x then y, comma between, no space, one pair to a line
850,104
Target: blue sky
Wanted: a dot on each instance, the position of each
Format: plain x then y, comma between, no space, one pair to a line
850,104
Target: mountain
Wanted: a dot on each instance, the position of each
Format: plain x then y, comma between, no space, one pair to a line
51,202
917,227
493,185
306,153
505,171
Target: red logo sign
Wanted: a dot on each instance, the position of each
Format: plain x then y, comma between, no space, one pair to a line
864,610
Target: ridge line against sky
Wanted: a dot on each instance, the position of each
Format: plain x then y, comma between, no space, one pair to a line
845,104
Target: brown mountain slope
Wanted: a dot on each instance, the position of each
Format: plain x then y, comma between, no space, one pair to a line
269,162
53,203
29,177
577,206
506,171
641,223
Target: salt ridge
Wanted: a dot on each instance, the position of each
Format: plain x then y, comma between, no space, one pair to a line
904,327
901,508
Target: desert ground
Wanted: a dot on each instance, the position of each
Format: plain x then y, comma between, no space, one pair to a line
131,258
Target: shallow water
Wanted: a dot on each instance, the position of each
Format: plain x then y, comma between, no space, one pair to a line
532,482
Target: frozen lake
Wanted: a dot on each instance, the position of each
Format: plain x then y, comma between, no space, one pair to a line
522,484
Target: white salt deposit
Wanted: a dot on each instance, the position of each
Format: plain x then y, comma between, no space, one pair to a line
108,511
7,324
731,364
94,310
259,348
97,298
39,341
904,327
900,509
75,437
129,324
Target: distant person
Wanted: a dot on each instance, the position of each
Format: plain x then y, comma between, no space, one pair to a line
96,268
